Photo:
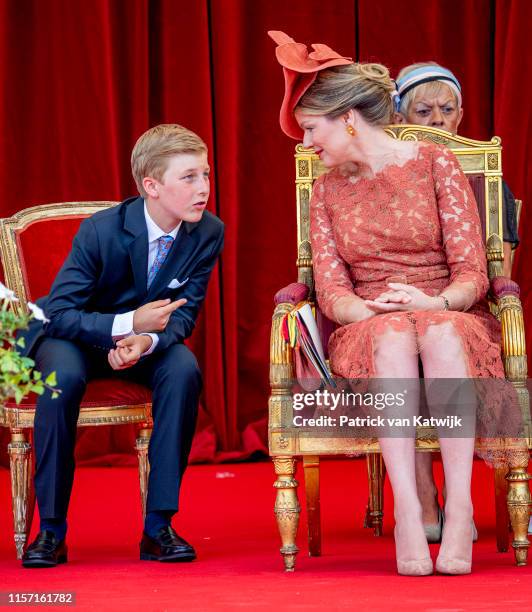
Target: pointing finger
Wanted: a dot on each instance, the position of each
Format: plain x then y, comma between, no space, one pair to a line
159,303
173,306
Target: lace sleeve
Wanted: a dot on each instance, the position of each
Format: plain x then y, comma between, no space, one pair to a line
460,223
331,273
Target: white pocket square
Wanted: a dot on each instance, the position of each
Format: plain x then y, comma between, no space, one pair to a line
175,284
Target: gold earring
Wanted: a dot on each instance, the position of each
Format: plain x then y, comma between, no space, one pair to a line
350,129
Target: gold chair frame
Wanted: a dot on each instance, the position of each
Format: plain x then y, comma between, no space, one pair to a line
20,420
286,445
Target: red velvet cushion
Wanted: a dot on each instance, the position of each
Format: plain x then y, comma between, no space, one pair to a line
501,286
43,247
478,186
103,392
292,294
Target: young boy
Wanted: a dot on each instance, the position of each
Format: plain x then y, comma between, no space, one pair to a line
125,300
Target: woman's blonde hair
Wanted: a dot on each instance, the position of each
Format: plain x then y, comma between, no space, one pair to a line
366,88
432,88
155,147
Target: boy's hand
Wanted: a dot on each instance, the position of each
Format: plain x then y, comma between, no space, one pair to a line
128,351
153,316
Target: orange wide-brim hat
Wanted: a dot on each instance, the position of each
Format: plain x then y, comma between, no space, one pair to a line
300,70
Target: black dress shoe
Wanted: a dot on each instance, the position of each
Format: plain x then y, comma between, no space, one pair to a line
167,546
45,551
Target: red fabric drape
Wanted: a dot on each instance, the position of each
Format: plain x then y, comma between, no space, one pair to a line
255,197
513,122
454,33
82,80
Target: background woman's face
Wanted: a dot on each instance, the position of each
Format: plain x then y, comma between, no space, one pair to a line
435,107
329,137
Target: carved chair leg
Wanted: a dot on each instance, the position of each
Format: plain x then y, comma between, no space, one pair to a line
519,510
22,495
502,518
287,508
31,488
141,445
374,510
311,466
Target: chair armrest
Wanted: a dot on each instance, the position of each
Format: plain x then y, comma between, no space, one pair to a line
501,286
292,294
506,293
282,367
281,353
296,293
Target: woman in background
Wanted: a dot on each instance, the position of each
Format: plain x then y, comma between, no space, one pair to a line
431,95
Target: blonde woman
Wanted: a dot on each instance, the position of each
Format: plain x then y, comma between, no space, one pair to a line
397,266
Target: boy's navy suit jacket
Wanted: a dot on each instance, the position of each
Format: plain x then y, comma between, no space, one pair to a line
106,274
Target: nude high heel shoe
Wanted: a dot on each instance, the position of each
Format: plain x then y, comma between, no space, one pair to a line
414,567
434,532
455,566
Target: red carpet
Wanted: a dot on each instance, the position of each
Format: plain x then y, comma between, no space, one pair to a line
227,514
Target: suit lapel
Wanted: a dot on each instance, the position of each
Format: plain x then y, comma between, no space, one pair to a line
135,225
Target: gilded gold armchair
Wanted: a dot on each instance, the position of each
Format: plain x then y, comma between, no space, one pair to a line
481,162
33,246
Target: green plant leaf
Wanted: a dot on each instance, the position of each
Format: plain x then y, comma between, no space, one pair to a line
51,379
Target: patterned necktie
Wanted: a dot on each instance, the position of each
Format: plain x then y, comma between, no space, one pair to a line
163,247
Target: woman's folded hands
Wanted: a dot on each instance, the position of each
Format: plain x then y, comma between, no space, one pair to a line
404,297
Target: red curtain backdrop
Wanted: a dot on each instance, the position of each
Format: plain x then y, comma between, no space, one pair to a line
82,80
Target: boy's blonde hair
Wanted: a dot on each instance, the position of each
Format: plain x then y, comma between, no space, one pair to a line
156,146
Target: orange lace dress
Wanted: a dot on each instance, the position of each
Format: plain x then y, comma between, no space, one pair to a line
418,224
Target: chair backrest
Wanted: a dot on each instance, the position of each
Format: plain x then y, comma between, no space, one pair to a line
35,242
480,161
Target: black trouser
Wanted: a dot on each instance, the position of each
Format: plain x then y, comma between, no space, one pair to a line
175,381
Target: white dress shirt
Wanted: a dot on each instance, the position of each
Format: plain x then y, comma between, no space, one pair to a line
123,323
